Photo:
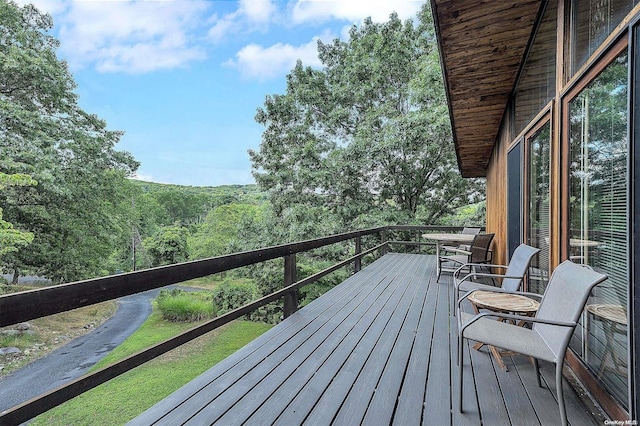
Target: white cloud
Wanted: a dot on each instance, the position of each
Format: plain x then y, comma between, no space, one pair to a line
51,7
251,15
135,37
142,36
257,10
352,10
224,26
263,63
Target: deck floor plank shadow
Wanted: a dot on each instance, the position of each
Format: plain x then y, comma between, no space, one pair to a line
380,348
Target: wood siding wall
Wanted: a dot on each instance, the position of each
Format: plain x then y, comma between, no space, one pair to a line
497,196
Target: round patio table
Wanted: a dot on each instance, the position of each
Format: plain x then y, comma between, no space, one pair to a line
451,239
614,321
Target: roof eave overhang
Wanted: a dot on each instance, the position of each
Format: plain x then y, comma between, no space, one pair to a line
482,47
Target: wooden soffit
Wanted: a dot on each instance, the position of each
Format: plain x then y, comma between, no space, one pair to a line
482,44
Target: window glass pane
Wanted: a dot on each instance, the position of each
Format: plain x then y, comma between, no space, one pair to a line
538,81
514,206
538,232
598,182
591,22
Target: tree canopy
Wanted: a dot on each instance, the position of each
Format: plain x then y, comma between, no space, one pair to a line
363,141
12,239
72,211
366,139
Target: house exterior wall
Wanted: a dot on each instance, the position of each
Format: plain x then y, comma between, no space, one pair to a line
571,79
497,212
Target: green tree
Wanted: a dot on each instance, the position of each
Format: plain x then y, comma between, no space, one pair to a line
73,211
366,139
12,239
182,206
168,246
220,228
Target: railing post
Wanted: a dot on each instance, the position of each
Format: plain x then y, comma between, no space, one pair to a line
385,249
291,298
357,264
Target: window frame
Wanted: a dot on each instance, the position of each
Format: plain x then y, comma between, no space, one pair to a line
544,117
616,49
603,57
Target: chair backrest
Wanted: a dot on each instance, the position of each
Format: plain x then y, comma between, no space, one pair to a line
480,248
518,266
470,231
564,300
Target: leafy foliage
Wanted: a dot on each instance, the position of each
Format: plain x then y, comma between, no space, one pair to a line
234,294
219,230
168,246
364,141
72,211
469,215
12,239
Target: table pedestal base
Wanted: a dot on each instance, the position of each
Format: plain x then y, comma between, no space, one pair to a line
498,354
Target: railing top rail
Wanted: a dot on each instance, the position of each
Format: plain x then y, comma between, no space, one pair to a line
445,228
65,297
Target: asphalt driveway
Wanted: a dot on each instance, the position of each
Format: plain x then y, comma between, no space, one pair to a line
76,357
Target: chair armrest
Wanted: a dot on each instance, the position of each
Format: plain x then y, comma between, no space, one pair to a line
522,293
458,250
457,282
466,247
466,265
462,327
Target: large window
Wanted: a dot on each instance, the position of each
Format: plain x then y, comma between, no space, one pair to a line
514,197
591,22
597,233
538,161
537,82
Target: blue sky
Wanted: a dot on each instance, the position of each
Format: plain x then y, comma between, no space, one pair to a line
183,78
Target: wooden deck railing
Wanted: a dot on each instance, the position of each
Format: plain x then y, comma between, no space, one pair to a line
27,305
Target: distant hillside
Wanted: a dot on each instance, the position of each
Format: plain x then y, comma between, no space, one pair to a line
217,195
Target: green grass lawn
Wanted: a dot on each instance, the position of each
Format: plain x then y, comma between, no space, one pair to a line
126,396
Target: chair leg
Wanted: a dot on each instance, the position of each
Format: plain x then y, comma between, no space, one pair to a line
454,300
537,370
560,393
461,370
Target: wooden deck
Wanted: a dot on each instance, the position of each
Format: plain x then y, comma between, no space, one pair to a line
378,349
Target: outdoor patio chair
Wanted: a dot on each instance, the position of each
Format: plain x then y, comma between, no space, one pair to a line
466,231
512,277
479,252
551,328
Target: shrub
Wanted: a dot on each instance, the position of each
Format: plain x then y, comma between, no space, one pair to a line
233,294
179,305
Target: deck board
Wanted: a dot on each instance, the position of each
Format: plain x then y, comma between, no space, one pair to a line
380,348
411,398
